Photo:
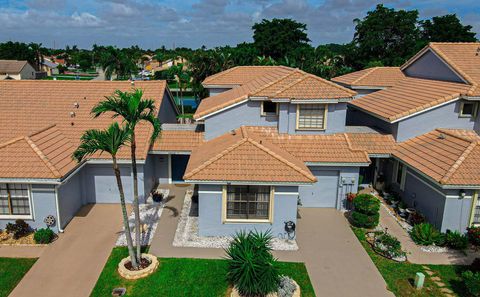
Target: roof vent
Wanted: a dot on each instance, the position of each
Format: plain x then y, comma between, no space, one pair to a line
85,97
442,136
72,114
478,51
233,132
76,105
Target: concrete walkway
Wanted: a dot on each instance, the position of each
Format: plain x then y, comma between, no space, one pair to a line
71,265
414,253
336,262
13,251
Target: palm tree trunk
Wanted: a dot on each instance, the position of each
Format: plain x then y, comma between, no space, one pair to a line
181,102
128,234
136,207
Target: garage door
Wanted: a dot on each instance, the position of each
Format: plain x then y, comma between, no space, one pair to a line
323,193
101,184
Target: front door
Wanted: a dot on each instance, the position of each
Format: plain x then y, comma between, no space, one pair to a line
179,164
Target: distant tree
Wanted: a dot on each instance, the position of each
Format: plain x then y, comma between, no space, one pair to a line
117,61
386,35
447,28
17,51
278,37
374,64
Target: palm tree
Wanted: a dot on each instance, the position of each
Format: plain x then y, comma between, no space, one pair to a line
115,60
110,141
133,109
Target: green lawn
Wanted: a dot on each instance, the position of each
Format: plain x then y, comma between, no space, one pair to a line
69,77
11,272
184,277
399,276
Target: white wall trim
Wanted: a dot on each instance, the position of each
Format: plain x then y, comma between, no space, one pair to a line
155,152
209,192
169,168
243,183
221,110
337,164
425,110
287,193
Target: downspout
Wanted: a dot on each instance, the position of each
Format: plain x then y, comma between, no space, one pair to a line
58,211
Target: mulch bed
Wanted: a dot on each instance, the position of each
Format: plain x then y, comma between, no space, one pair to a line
144,263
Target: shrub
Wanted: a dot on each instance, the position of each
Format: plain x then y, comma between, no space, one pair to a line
43,236
426,234
472,282
19,229
366,204
365,221
252,269
388,245
473,234
475,266
456,240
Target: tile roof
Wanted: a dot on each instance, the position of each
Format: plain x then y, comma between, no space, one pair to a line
27,107
448,156
371,77
240,75
463,57
288,83
176,140
245,157
373,143
11,66
409,96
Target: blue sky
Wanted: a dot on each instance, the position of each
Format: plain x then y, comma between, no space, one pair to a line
151,24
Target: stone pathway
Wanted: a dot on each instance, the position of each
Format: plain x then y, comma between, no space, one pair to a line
438,281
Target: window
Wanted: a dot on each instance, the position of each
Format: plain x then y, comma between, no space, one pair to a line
476,213
311,116
269,108
14,199
400,174
468,109
248,202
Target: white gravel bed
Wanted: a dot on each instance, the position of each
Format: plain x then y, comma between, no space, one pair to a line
186,234
435,249
149,216
402,224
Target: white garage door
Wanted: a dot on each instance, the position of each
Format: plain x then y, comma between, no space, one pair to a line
323,193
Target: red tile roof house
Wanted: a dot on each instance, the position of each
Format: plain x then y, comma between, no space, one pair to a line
432,112
40,126
273,138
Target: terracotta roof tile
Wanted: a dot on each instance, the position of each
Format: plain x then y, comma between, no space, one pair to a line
11,66
373,143
240,75
409,96
448,156
371,77
178,141
28,107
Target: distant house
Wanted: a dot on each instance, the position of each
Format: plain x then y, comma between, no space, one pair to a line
155,65
13,69
49,67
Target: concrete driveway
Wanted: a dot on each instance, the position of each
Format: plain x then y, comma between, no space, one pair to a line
72,264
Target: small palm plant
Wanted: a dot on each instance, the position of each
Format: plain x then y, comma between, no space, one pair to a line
109,141
252,269
133,109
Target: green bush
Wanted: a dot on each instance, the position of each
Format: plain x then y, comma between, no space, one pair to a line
43,236
388,245
472,282
366,204
365,221
473,234
427,234
475,266
456,240
252,269
19,229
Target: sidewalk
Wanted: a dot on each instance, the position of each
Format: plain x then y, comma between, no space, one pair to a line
7,251
414,253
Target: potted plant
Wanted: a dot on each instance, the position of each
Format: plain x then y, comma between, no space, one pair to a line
402,209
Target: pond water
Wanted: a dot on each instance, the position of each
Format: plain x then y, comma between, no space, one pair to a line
187,101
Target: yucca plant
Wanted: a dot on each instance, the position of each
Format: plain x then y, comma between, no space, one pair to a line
252,269
427,234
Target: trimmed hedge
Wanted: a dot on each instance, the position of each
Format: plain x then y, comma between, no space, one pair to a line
365,221
43,236
366,211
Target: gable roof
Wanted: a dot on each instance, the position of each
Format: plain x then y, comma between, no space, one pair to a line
409,96
448,156
241,75
178,140
377,77
42,116
462,57
373,143
244,157
289,83
11,66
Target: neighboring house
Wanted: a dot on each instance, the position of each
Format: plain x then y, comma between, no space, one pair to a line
269,140
433,114
17,70
154,65
41,126
49,67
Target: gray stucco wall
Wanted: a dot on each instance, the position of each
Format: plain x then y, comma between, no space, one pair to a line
70,198
429,66
356,117
149,177
210,212
161,168
216,91
363,92
336,118
167,112
43,204
329,190
446,116
247,113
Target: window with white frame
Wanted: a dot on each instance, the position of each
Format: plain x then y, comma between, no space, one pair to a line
248,202
400,174
14,199
476,213
468,109
311,116
269,108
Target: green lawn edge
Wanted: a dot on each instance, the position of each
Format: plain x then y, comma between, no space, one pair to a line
12,271
184,277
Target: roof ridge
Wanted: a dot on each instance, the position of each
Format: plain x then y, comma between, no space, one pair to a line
451,63
42,156
281,159
41,130
304,75
367,73
350,146
274,82
216,75
458,162
216,157
11,141
449,133
309,75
